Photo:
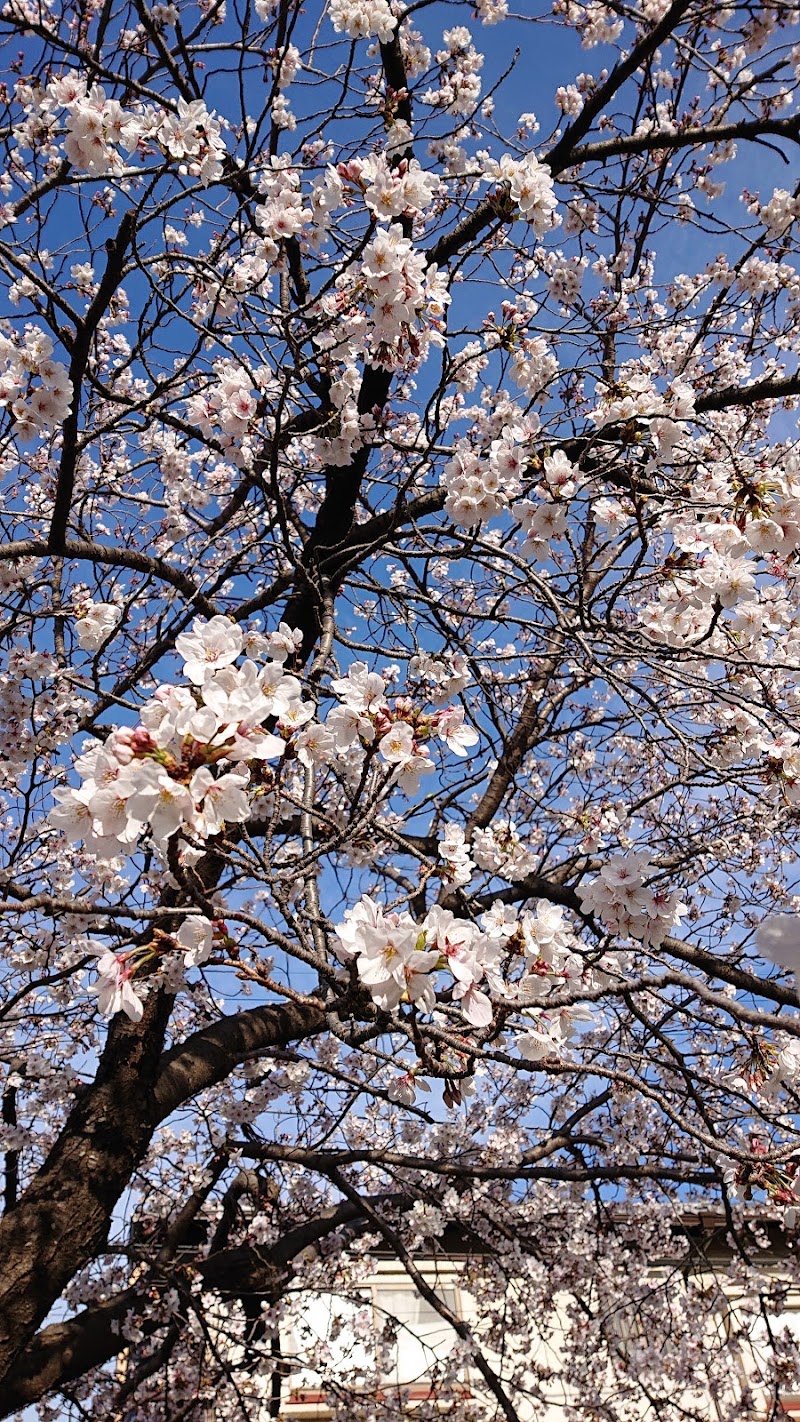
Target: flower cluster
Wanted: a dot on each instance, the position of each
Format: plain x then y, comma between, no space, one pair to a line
227,405
93,126
39,711
454,850
406,301
391,191
597,823
114,988
346,436
545,520
363,19
782,757
532,189
184,766
96,622
325,196
635,396
533,365
499,849
551,1033
445,675
193,137
390,310
399,961
715,562
480,484
194,764
34,388
780,213
627,905
284,213
395,958
552,960
96,127
530,184
400,733
459,80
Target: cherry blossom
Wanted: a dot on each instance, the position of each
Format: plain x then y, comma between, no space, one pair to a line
208,646
95,624
195,936
113,988
362,18
531,188
399,707
625,902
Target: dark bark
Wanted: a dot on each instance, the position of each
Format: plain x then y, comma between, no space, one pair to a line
334,521
210,1055
62,1219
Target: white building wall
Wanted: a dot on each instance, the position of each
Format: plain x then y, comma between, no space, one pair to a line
536,1383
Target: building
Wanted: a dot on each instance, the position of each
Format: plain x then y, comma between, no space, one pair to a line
745,1311
706,1328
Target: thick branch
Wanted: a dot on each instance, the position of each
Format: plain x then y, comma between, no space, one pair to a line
324,1160
712,964
65,1351
63,1217
114,557
658,139
563,155
566,152
210,1055
334,521
785,388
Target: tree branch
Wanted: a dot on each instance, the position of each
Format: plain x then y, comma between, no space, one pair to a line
81,347
62,1218
63,1352
210,1055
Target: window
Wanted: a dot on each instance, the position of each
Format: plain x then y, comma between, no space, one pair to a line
770,1351
333,1339
420,1336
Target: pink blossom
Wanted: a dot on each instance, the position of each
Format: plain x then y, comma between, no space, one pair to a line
208,646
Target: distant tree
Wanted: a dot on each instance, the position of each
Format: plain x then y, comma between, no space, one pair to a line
399,693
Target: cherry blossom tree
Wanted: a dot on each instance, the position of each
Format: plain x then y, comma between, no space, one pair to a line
399,691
